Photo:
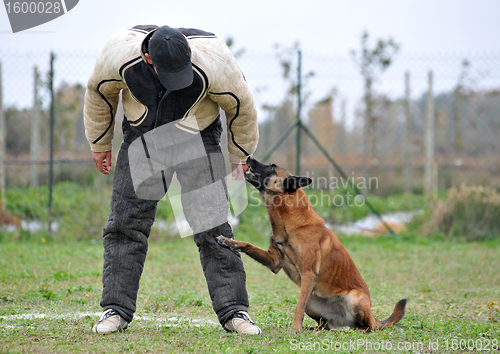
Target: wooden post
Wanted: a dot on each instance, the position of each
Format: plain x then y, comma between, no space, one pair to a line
429,140
341,130
407,144
435,180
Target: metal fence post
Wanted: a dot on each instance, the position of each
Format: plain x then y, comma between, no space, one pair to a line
299,110
35,132
51,148
2,146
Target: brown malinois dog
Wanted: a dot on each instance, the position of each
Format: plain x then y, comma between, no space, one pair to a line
332,291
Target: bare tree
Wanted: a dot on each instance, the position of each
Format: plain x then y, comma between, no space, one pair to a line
371,63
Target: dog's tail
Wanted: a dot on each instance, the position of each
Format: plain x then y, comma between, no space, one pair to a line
397,315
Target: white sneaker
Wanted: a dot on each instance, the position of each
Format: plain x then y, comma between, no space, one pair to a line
109,322
242,323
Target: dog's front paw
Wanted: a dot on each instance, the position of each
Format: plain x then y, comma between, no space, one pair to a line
225,242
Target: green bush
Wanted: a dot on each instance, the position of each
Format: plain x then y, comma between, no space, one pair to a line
468,211
80,211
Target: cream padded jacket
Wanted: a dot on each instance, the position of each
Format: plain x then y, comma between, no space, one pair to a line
224,86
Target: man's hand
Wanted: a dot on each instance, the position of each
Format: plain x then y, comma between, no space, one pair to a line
102,161
238,171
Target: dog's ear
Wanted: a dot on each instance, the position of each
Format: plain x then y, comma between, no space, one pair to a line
292,183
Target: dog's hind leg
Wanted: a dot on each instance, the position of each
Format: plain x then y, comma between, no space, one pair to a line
270,258
359,305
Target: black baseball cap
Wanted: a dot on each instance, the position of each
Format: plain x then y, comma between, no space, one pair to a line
171,55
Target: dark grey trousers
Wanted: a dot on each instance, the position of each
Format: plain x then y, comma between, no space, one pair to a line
125,236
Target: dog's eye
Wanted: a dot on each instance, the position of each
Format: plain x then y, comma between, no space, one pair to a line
273,166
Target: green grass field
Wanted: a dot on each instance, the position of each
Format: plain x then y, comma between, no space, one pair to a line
50,290
450,288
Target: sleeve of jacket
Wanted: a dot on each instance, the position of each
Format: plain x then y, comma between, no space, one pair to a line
101,98
231,92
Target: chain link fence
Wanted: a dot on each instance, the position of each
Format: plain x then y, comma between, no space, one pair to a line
388,143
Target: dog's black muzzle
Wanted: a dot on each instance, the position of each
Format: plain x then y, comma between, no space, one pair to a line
258,173
250,176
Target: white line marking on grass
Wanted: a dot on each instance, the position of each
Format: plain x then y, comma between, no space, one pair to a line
172,321
31,316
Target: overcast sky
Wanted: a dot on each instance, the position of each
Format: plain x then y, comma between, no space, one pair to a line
321,27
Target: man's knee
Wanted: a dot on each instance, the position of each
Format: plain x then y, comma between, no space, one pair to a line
207,238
